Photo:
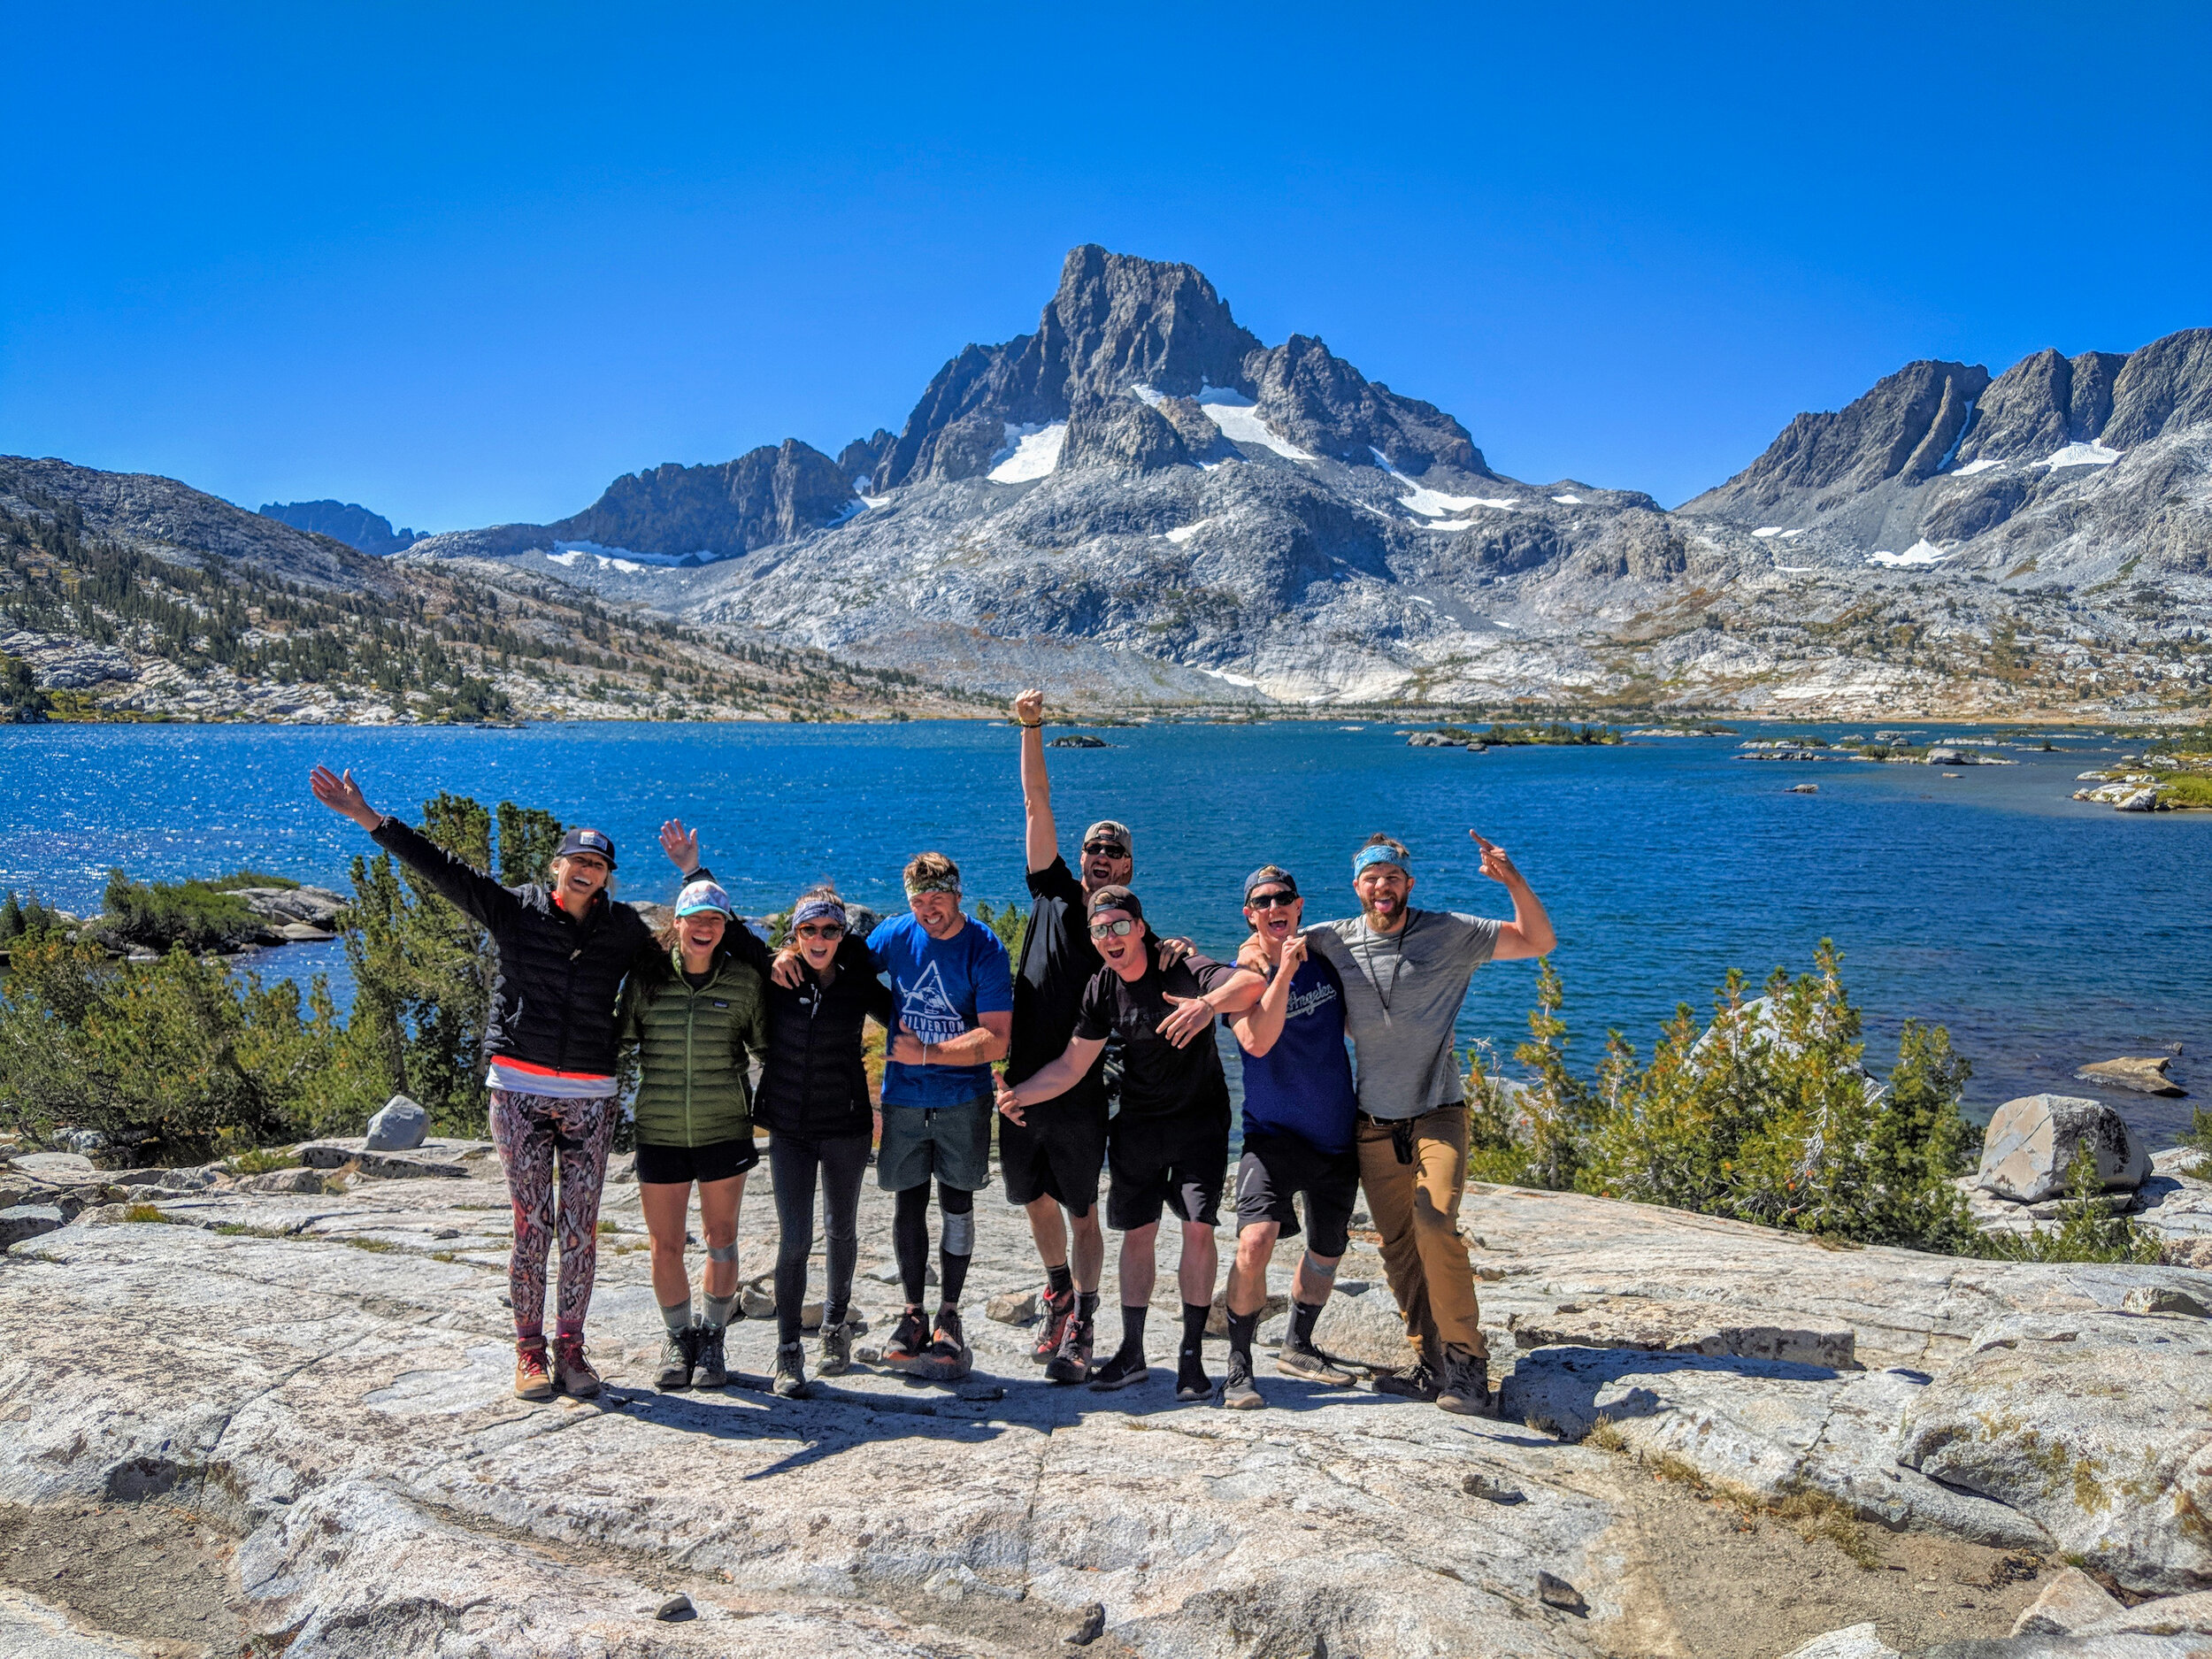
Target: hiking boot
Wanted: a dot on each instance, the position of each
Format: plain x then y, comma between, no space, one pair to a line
947,1355
1059,1312
1466,1385
837,1351
573,1371
713,1367
1191,1381
907,1340
1303,1360
791,1371
533,1380
1124,1370
1071,1363
679,1356
1420,1383
1237,1392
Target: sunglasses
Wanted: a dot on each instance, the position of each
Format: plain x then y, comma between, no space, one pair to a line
1275,901
1121,929
1108,850
820,930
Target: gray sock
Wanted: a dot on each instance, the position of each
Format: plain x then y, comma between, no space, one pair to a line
677,1316
719,1310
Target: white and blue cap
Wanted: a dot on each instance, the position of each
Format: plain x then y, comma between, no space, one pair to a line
699,897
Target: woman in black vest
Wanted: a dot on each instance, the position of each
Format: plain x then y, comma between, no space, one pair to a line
813,1100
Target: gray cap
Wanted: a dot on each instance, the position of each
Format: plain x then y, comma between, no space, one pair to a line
1111,829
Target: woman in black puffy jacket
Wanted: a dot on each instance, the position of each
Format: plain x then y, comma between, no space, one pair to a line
813,1101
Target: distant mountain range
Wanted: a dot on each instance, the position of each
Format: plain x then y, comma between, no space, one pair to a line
1141,502
344,521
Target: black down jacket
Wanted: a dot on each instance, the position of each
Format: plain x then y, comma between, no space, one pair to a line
816,1082
555,995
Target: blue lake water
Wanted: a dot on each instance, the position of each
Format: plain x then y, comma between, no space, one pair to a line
2043,932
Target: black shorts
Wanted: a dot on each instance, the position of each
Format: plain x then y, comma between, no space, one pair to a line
1059,1155
1275,1168
1173,1163
715,1162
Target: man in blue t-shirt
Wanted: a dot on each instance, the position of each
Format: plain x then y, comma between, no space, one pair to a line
1299,1104
953,996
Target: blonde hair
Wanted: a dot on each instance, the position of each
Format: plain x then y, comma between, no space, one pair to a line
932,873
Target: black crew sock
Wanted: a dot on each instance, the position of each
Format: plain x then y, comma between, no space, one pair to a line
1060,1279
1085,1305
1132,1330
1302,1314
1242,1328
1194,1317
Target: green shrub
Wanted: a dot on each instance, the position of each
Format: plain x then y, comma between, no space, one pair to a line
251,879
26,917
21,702
157,915
2088,1230
2189,790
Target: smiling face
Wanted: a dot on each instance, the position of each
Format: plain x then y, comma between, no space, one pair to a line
578,879
817,941
1123,952
1274,922
1383,890
1106,864
699,934
939,913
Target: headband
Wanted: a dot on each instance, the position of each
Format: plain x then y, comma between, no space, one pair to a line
814,909
915,886
1378,855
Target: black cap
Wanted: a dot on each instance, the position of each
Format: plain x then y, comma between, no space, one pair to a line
1115,899
587,841
1265,875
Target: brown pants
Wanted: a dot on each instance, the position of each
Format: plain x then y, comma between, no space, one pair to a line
1415,1208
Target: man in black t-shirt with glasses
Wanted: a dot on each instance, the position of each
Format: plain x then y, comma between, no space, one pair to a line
1169,1143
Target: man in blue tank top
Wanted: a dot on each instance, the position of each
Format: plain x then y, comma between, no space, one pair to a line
1299,1107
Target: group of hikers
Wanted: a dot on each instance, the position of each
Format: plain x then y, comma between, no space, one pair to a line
1104,1032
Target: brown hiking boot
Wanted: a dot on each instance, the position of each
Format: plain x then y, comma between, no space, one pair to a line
1465,1385
573,1371
533,1380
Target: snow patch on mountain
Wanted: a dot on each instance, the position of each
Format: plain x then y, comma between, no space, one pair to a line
1031,452
1233,413
1972,467
1921,552
2081,455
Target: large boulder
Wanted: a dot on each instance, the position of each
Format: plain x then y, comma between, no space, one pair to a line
2032,1141
19,1222
401,1127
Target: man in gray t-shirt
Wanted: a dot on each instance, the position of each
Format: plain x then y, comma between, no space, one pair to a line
1405,973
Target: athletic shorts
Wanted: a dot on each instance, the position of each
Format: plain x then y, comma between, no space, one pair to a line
951,1142
1175,1163
1059,1155
1275,1168
715,1162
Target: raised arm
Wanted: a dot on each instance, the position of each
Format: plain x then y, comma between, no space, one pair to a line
456,880
1530,932
1054,1080
1044,834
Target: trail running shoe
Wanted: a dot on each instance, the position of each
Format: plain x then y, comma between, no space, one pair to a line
908,1341
1302,1359
533,1380
574,1371
1072,1363
791,1371
1122,1371
1420,1383
1466,1385
1052,1330
1237,1392
713,1366
1191,1381
837,1351
948,1354
679,1357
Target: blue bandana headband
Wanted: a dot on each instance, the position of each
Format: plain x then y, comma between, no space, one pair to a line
1367,856
815,910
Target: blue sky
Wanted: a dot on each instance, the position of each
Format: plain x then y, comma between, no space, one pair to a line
465,266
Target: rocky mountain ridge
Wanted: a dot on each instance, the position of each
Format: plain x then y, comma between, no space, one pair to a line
345,521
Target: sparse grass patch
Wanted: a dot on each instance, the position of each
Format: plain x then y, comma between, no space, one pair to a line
144,1212
607,1226
1603,1437
241,1230
263,1161
374,1246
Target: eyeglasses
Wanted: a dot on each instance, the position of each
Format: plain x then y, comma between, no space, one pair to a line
824,930
1121,929
1109,850
1276,901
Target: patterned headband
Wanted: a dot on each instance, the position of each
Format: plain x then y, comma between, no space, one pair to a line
915,886
1379,855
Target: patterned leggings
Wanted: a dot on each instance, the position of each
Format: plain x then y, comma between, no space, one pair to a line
530,1131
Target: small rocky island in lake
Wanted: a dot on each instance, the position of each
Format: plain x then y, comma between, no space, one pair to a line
1078,739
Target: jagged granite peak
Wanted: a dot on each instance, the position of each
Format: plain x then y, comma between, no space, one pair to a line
1905,429
346,521
2165,386
858,459
1323,403
1124,434
764,496
2041,403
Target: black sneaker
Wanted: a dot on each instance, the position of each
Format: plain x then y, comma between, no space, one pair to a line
837,1351
678,1357
711,1370
1466,1385
1303,1360
1072,1363
1121,1371
947,1355
908,1341
1191,1381
1059,1312
1237,1392
1420,1383
790,1382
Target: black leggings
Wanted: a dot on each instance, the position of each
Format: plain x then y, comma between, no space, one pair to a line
909,1240
792,1161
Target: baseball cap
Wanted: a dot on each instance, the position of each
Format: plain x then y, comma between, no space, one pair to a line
1270,875
703,895
1110,829
1115,899
587,841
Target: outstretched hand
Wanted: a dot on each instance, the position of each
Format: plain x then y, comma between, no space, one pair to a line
681,845
1192,1015
1495,865
342,794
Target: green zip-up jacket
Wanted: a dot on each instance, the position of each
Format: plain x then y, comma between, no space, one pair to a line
695,1083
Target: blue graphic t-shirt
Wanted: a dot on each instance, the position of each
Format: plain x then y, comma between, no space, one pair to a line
1302,1086
939,988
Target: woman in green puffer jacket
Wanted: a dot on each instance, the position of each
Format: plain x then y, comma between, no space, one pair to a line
698,1018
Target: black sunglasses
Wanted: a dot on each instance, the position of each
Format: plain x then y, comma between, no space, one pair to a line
1110,849
825,930
1276,900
